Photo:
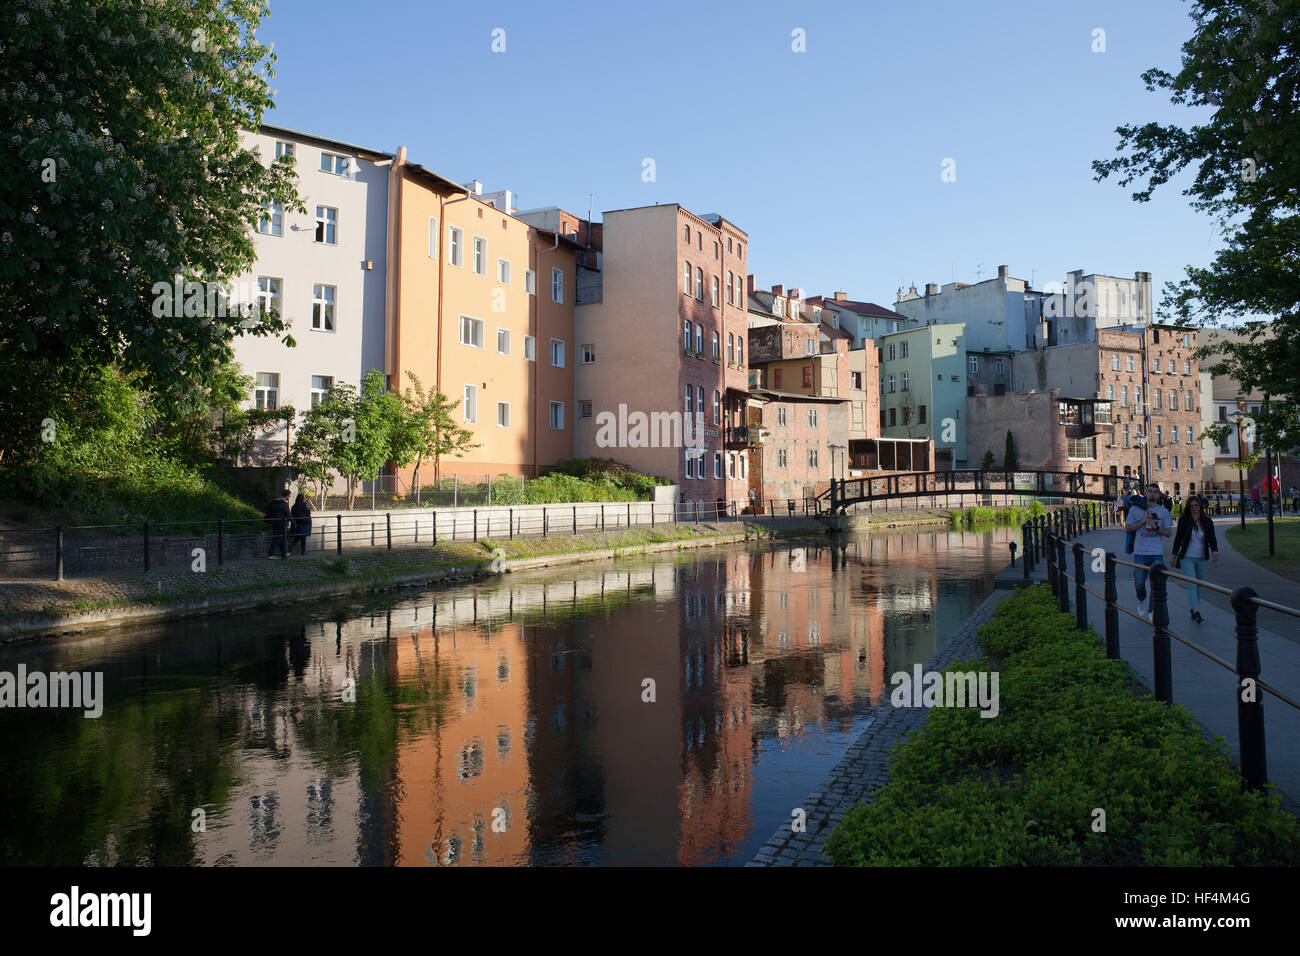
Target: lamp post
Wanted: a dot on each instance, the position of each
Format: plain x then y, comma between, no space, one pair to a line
1268,481
1237,417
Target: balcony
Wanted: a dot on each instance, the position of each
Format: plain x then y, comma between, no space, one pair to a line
744,436
755,378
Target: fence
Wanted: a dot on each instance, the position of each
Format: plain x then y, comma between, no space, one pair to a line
1047,539
90,550
451,492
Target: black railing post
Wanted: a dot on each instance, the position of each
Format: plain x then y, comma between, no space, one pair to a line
1080,595
475,538
221,541
1063,586
1164,678
1050,546
388,528
1112,610
1012,546
338,533
146,546
58,553
512,523
1250,713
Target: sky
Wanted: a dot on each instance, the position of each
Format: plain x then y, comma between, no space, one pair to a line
832,159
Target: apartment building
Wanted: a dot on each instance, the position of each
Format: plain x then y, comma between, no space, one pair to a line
481,309
324,271
865,321
665,319
923,389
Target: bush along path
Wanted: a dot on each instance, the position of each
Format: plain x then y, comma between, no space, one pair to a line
38,607
1080,767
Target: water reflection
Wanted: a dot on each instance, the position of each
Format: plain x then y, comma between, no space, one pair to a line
667,710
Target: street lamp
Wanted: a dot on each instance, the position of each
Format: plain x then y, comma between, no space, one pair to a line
1268,482
1238,417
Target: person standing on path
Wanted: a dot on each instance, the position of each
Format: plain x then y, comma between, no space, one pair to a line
1195,543
1150,526
1255,506
301,523
278,516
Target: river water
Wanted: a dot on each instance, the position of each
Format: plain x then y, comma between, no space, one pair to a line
656,710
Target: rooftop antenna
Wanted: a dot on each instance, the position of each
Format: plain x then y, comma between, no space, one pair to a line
1031,277
979,270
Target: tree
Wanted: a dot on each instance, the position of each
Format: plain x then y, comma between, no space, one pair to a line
122,170
988,462
426,429
1242,64
1009,461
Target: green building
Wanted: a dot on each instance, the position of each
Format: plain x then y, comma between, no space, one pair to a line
923,389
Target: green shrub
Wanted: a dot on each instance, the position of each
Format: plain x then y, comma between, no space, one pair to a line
1020,789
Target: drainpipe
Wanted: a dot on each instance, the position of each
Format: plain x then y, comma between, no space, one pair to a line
437,351
535,324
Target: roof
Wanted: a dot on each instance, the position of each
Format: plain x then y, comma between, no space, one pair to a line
869,309
271,130
793,396
831,332
437,180
564,240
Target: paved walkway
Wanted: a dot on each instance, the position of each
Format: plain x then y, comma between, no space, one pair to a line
1200,685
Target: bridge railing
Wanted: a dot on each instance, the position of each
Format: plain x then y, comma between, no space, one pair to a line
1035,484
1049,539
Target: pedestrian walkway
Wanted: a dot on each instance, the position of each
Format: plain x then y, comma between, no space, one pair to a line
1203,687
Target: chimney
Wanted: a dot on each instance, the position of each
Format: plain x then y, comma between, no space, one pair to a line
796,294
778,290
475,187
912,291
844,296
1002,272
749,284
931,289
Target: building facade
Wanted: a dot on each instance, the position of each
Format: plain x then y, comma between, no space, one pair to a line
923,389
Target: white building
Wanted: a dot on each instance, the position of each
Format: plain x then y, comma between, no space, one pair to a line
325,271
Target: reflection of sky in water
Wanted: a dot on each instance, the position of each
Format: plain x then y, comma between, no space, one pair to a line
506,722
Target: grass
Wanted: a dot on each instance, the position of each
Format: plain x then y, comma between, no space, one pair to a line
980,517
1251,543
1073,739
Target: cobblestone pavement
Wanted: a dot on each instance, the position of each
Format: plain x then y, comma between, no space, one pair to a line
864,768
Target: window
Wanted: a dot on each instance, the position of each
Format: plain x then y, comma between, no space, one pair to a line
717,250
1160,463
690,399
268,295
717,346
471,403
1157,398
1137,396
480,256
1187,368
322,307
731,347
433,237
1173,435
699,404
717,457
1155,365
557,286
503,341
1114,362
530,282
327,224
973,364
283,149
557,415
1123,395
686,334
716,292
557,353
530,349
778,307
740,350
902,350
1175,462
503,414
1082,448
699,284
807,376
1171,366
588,355
717,408
1187,340
811,347
776,378
812,418
456,247
1190,439
690,464
320,387
782,459
891,351
503,271
893,417
267,394
882,418
812,459
1173,399
273,224
997,367
686,276
686,235
731,289
920,414
1128,363
1160,434
905,381
584,408
1110,392
1188,403
471,331
855,381
891,383
336,164
699,338
780,414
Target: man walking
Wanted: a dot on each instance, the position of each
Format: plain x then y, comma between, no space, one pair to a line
278,515
1150,526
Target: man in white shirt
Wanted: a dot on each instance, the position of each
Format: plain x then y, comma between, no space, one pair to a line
1150,525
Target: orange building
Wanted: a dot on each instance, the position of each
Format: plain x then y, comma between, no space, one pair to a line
480,307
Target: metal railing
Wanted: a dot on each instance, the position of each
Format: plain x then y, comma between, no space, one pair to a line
1048,540
61,552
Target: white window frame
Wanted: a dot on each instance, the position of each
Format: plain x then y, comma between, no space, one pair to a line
557,286
503,407
318,393
433,237
264,391
475,331
270,298
480,255
331,163
530,282
469,403
503,341
560,343
560,407
284,148
503,271
686,274
699,284
530,348
324,303
274,222
331,227
587,354
456,246
717,464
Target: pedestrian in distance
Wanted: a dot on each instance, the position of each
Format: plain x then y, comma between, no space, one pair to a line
1255,506
301,523
1195,543
278,515
1150,525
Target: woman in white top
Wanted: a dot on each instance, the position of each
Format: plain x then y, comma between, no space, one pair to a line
1195,543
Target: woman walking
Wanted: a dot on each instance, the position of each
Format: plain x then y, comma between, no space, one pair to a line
1195,542
301,523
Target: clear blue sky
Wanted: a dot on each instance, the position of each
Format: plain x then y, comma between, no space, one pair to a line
829,159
